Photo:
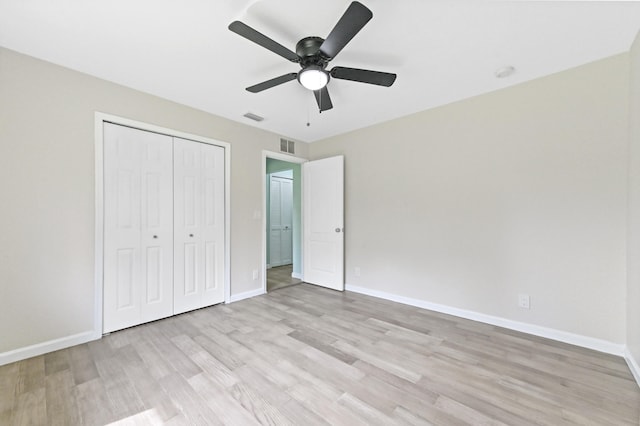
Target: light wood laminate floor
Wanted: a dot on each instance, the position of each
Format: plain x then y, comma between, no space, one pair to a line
280,277
309,356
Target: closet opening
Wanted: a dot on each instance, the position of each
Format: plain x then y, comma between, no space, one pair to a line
162,228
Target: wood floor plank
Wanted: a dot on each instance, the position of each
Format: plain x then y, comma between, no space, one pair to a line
226,408
367,413
190,403
9,379
125,401
464,413
305,355
83,364
172,355
93,403
151,393
219,351
154,361
380,361
31,375
264,412
326,407
300,414
322,343
270,390
5,417
30,408
61,404
56,361
403,416
145,418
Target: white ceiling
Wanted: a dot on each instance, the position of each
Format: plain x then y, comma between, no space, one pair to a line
442,51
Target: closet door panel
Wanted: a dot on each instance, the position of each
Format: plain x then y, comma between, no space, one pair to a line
138,219
157,226
122,229
187,286
199,225
212,228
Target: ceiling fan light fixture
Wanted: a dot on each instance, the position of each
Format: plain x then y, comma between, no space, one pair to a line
313,77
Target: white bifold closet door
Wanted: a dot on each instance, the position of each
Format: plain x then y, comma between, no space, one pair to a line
164,226
138,227
199,225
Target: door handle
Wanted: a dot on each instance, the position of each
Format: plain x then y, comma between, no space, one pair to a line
338,230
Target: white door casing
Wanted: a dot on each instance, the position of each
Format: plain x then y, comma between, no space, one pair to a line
199,230
138,221
323,201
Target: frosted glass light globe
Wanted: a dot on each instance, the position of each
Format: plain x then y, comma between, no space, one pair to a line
313,78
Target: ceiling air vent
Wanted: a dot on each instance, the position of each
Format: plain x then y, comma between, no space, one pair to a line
287,146
254,117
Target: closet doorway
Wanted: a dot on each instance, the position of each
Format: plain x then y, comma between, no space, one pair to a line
162,228
283,213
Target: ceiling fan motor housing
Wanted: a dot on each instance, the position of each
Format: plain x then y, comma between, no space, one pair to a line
308,49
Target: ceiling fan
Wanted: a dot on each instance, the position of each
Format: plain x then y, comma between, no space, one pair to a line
314,54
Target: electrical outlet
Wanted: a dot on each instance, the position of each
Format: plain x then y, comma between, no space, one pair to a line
356,271
256,274
524,301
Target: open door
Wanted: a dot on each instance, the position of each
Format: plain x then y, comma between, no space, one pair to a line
323,201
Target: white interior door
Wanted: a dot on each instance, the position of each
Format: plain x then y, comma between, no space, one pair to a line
138,221
286,221
323,198
281,221
199,225
275,225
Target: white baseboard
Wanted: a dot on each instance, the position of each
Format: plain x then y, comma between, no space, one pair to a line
549,333
633,364
46,347
246,295
296,275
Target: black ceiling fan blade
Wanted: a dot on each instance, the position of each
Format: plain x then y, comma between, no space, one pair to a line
356,16
272,83
364,76
250,34
323,99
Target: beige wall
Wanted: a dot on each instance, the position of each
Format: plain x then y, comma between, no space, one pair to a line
633,268
517,191
47,186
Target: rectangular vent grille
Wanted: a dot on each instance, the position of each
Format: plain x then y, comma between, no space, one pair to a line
287,146
254,117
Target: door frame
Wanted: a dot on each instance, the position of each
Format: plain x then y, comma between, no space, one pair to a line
289,159
99,120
